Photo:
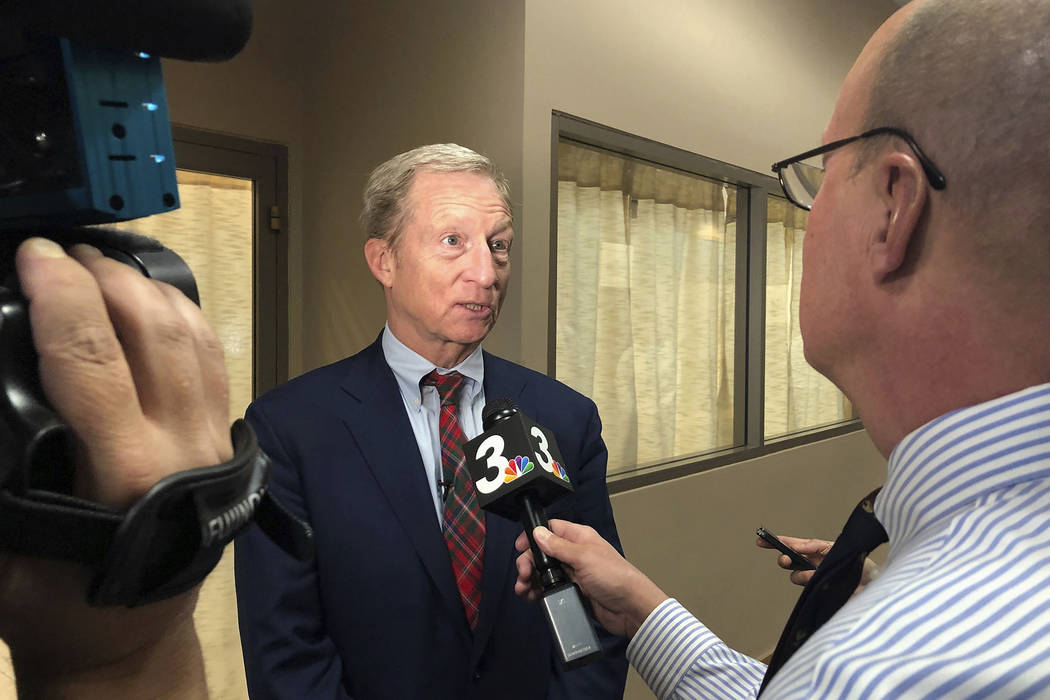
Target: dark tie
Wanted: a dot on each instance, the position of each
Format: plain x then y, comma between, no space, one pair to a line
462,521
832,584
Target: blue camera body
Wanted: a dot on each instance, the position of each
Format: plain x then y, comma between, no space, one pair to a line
87,136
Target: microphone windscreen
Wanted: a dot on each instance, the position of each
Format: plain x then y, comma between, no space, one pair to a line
497,406
192,30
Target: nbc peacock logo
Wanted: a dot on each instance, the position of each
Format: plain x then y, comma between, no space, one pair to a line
517,467
560,471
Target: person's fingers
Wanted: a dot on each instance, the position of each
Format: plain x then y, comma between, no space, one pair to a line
524,565
522,543
76,346
785,562
175,360
807,545
801,578
562,549
574,532
531,595
131,366
157,341
212,362
83,369
525,583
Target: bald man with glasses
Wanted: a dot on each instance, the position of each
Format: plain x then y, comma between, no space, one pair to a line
924,297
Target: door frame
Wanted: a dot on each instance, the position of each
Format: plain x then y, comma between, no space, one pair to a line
266,164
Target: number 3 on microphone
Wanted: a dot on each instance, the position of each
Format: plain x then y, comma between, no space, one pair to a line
491,450
542,455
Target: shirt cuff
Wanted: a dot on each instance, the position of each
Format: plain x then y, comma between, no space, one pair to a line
666,645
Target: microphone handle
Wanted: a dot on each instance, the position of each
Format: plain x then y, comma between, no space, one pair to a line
533,514
575,641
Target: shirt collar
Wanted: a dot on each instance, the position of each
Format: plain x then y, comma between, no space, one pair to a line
409,367
963,456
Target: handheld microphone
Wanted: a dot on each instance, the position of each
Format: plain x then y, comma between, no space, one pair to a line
517,471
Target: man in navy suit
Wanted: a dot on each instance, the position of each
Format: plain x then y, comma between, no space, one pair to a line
357,452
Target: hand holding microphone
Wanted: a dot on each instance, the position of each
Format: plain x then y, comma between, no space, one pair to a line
517,470
621,596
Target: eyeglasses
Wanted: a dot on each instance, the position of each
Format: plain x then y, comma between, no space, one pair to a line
801,181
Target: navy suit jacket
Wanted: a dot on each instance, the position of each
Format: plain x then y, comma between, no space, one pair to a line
377,613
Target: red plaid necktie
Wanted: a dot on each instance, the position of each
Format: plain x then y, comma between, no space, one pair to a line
463,524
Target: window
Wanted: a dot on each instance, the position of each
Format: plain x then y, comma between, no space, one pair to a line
796,397
646,274
660,258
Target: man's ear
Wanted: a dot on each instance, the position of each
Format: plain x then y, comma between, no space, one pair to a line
902,195
380,258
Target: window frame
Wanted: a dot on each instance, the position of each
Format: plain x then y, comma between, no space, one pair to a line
753,189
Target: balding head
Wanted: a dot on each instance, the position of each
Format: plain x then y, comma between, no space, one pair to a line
919,301
970,79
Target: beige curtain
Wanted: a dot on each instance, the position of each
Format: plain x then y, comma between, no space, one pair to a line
646,265
797,398
645,308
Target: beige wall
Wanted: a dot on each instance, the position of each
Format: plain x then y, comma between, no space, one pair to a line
345,85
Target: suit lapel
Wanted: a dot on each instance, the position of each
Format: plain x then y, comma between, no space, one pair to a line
502,380
383,433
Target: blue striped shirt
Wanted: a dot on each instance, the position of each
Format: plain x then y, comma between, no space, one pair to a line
962,606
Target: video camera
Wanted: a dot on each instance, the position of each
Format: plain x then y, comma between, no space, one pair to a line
85,140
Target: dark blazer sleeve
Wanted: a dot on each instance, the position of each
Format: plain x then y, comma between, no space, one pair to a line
287,651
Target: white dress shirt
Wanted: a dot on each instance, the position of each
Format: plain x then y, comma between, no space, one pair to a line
962,606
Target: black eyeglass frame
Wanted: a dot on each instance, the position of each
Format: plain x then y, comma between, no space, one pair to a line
933,173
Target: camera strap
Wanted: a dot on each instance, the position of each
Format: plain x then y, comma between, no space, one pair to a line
169,540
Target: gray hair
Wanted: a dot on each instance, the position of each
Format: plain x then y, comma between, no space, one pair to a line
386,194
969,80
